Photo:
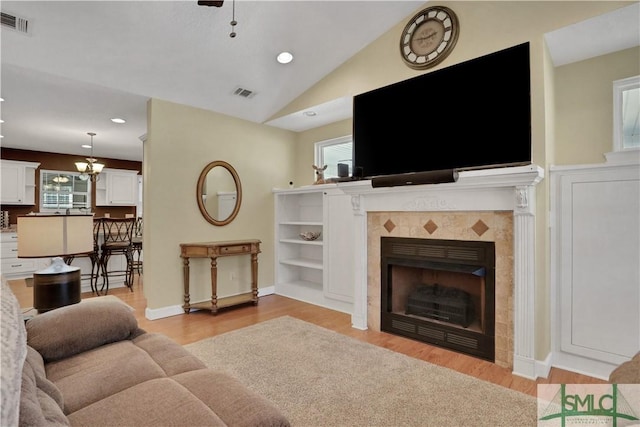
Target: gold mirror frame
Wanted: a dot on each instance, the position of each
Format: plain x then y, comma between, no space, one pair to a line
200,191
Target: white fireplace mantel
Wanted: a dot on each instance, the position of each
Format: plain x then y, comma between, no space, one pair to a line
499,189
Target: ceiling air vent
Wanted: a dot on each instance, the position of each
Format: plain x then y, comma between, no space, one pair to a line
243,93
16,23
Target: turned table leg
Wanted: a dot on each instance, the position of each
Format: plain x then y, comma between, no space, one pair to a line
254,277
214,285
185,277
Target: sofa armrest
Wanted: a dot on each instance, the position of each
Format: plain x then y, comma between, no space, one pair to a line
627,373
73,329
13,348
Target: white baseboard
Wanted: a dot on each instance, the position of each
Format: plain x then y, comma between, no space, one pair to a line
85,286
544,367
162,312
359,322
582,365
524,367
268,290
533,369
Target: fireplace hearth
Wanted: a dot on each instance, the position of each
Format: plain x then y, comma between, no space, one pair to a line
440,292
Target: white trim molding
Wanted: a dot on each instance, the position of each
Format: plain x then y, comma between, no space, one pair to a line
501,189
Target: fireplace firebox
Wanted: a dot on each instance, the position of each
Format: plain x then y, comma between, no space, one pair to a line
441,292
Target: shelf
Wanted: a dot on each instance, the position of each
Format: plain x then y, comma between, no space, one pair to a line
306,284
224,302
317,271
302,242
300,262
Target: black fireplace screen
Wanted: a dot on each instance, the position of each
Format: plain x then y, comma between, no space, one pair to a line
441,303
441,292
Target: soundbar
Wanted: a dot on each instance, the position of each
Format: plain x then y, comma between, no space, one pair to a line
344,179
415,178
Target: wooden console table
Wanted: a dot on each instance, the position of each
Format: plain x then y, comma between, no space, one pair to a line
213,250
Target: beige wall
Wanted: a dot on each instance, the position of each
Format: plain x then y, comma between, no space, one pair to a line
181,141
184,139
584,101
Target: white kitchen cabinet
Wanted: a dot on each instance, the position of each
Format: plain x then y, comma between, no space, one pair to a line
226,204
596,248
317,271
18,182
117,187
14,267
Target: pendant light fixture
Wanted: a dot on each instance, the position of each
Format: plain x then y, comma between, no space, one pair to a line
91,168
219,3
233,19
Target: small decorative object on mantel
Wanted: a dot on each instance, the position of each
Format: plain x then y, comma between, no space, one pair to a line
429,36
310,235
320,174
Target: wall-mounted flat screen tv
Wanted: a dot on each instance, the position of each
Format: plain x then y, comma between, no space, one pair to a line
475,114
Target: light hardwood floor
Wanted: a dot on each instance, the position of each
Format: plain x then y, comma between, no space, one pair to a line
198,325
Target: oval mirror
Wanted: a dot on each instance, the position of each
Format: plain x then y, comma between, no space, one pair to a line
219,193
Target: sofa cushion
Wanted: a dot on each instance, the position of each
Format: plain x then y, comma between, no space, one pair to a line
95,374
234,403
168,354
14,351
64,332
117,366
159,402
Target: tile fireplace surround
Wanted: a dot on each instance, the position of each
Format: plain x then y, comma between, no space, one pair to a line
486,205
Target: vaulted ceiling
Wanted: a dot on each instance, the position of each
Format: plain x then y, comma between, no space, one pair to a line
81,63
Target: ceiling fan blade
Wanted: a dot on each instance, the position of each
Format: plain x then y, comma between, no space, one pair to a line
210,3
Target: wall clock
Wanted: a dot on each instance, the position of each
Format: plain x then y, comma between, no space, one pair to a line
429,36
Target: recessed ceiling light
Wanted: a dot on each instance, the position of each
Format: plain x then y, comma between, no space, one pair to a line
1,121
118,120
310,113
284,57
85,146
1,99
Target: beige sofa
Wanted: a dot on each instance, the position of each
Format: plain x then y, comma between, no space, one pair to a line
627,372
89,364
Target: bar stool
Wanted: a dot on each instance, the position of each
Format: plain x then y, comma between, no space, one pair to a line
117,236
94,257
136,247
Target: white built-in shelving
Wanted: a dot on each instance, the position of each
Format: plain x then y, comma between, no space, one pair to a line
302,265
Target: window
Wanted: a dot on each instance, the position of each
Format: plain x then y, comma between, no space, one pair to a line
332,152
626,114
63,190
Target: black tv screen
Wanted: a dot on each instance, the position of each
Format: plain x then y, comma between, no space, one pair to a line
475,114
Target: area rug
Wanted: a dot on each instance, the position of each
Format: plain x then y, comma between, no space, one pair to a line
319,378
